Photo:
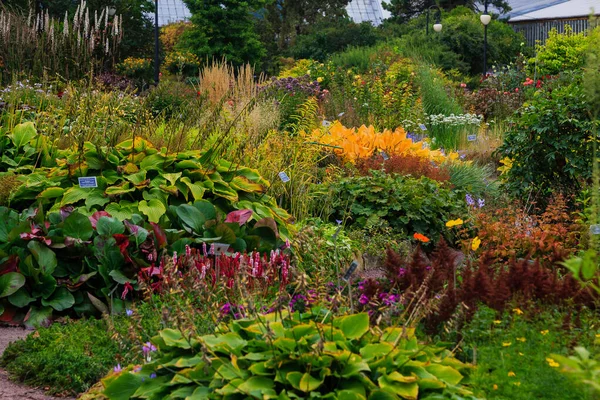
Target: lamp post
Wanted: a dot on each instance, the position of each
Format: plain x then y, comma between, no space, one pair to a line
485,19
438,25
156,45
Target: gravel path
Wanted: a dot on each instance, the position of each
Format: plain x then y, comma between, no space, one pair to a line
10,390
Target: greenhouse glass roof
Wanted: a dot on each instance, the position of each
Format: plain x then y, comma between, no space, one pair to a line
170,11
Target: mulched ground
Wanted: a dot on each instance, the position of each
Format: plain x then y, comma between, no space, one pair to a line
10,390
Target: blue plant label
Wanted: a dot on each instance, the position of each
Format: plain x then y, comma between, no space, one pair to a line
87,182
423,127
385,156
595,229
472,138
284,177
350,270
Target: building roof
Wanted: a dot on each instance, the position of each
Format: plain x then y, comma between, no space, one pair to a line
367,11
565,9
170,11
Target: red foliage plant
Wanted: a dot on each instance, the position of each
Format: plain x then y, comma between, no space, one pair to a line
481,282
510,232
403,165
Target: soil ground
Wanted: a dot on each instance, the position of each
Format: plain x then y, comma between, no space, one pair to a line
10,390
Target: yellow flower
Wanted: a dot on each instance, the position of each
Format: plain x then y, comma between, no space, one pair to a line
544,332
517,383
475,244
506,344
517,311
552,363
497,322
510,373
454,222
319,79
521,354
521,339
495,387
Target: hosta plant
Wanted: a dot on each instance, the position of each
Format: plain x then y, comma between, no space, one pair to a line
133,178
283,356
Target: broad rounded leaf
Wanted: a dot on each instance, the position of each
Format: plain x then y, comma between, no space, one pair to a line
108,226
123,387
303,382
23,134
60,300
445,373
78,226
51,193
37,317
10,283
192,217
45,257
353,326
153,209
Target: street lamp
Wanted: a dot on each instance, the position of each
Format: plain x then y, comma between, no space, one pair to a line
485,19
438,25
156,44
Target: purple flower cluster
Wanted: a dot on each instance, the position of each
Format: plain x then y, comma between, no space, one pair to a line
471,201
228,309
293,86
389,299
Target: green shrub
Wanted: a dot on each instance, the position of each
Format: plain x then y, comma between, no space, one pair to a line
561,52
173,99
405,204
473,179
67,358
551,141
325,39
294,357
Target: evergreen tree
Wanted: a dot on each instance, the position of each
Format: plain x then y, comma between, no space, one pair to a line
404,10
224,28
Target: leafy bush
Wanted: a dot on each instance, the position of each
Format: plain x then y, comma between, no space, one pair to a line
407,205
551,142
325,39
561,52
173,99
138,69
182,63
294,356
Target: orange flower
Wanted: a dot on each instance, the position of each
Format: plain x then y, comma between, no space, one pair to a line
421,238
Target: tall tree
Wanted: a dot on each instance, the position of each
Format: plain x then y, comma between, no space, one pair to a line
224,28
287,19
403,10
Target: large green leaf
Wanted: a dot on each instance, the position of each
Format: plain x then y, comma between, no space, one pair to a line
73,195
51,193
38,316
226,233
445,373
303,382
408,391
192,217
45,257
153,209
123,387
10,283
20,298
206,208
353,326
23,134
78,226
197,189
108,226
60,300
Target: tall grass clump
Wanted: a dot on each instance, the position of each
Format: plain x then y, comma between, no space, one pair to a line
359,58
38,45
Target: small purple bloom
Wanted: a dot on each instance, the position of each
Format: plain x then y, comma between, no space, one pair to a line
117,369
129,312
148,348
152,375
402,272
470,200
137,369
363,299
480,203
338,221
